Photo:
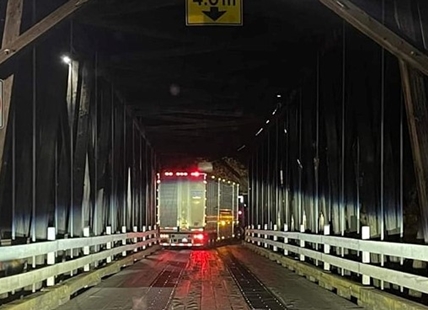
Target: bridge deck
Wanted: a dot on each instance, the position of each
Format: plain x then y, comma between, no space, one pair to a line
206,279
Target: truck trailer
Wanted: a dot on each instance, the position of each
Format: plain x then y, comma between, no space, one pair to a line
195,210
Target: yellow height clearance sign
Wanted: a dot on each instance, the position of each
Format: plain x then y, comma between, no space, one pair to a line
214,12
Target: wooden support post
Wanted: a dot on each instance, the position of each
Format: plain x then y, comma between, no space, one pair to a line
11,32
365,235
156,235
30,36
275,238
51,256
86,249
375,30
124,239
302,242
285,239
265,227
326,247
135,240
417,118
144,238
108,245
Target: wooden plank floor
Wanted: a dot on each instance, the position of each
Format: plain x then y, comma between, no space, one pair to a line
199,279
176,279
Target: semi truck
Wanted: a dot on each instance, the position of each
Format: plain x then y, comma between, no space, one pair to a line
194,209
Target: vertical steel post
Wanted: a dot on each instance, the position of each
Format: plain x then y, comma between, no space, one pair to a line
233,210
276,176
113,214
401,168
218,208
287,173
250,190
134,212
34,138
299,122
317,146
382,147
257,189
382,137
151,185
14,173
342,177
125,172
268,180
237,205
146,183
95,143
140,190
358,186
263,185
342,186
71,213
56,186
401,179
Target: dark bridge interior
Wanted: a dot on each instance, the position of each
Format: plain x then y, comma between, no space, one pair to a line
317,108
297,102
205,91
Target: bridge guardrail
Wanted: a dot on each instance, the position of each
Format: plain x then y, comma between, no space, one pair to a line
47,252
269,239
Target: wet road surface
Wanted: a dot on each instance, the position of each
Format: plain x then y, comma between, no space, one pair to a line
294,291
169,279
230,277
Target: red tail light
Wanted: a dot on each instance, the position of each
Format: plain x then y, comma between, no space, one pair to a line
199,237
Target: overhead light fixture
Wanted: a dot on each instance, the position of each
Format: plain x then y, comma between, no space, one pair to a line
241,148
66,59
259,132
278,96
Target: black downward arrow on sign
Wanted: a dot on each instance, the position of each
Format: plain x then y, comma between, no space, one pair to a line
214,13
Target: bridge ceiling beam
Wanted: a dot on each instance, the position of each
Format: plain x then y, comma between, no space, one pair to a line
104,10
162,110
386,38
201,125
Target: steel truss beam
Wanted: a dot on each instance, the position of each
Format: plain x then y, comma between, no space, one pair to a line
379,33
30,36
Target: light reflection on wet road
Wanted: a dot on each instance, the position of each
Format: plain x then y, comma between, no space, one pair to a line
200,279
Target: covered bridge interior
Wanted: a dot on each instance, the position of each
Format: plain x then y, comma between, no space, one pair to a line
318,108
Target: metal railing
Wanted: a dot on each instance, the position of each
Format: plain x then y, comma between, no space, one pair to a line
318,249
68,257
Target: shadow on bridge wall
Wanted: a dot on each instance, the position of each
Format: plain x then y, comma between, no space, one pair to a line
338,150
74,156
